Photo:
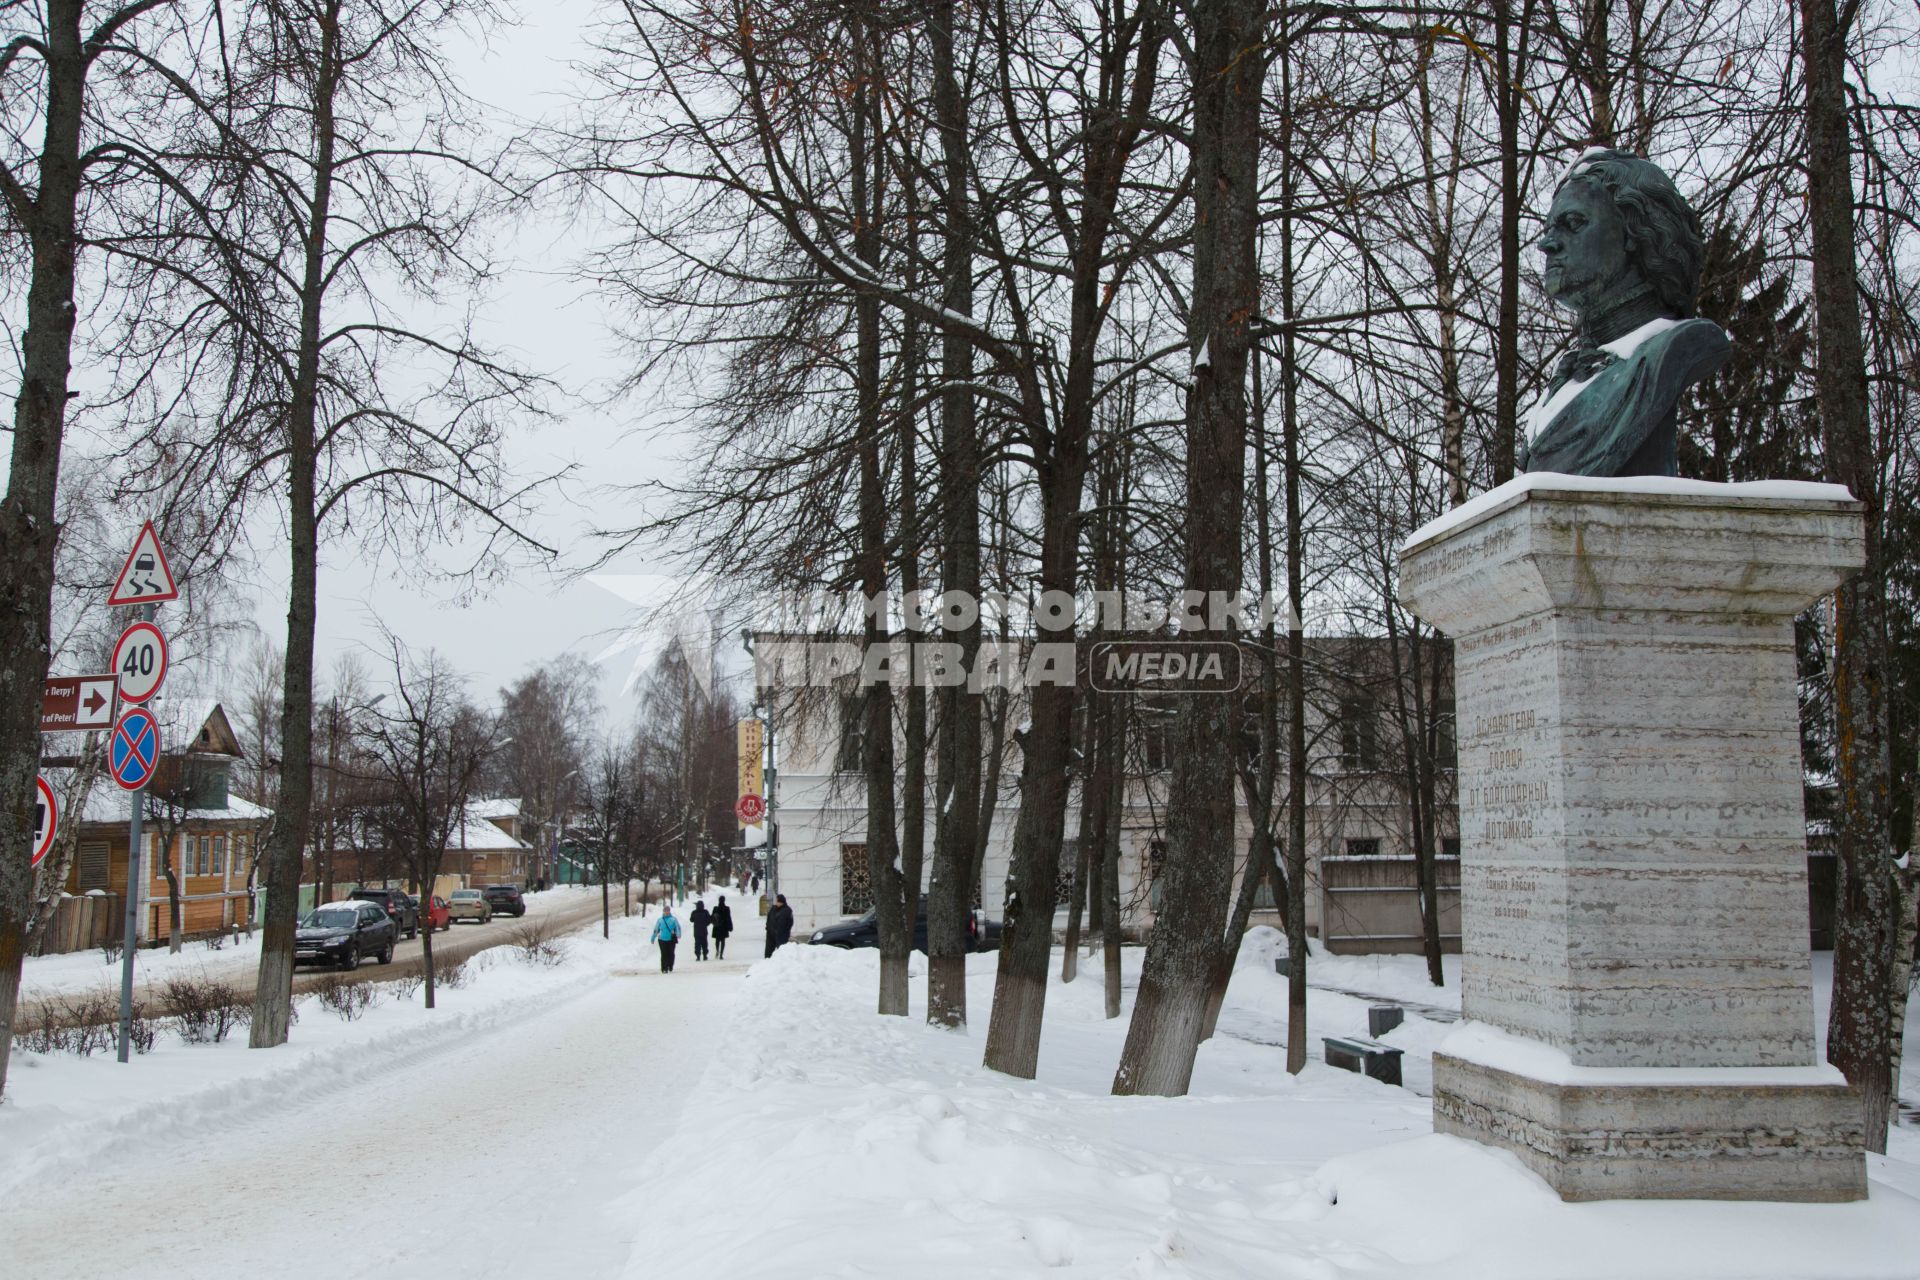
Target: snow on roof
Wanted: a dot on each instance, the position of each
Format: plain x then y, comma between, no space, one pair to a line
495,807
482,835
108,803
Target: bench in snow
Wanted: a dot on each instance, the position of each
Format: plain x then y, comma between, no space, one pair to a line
1368,1057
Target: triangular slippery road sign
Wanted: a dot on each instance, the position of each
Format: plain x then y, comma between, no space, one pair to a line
145,578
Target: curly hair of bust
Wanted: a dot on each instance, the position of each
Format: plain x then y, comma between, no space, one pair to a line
1663,232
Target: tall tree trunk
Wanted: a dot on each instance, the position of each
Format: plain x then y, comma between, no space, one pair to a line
27,530
1508,61
957,825
1864,923
883,848
273,991
1296,847
1227,72
1020,983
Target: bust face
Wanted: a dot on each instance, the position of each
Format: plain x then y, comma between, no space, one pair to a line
1585,247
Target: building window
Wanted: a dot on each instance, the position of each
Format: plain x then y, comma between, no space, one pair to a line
852,735
1450,846
93,866
219,855
1069,866
1359,743
203,856
1364,847
1448,756
856,884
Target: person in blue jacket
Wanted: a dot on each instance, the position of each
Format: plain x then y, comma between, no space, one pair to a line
666,932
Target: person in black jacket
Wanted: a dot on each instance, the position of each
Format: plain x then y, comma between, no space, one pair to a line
700,918
722,926
779,924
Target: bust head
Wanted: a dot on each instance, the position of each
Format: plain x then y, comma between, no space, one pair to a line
1619,229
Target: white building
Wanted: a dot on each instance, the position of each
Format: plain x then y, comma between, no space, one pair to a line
1360,892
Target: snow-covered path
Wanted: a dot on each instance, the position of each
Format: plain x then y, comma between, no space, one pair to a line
491,1155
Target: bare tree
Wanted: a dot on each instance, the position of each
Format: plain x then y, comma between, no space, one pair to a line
351,209
76,81
420,755
1226,68
1865,924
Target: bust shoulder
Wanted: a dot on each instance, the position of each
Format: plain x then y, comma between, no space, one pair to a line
1692,348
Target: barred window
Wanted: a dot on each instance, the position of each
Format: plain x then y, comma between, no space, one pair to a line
1069,867
1364,847
856,884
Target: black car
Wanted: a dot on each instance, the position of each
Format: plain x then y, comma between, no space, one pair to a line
505,899
864,931
343,933
400,908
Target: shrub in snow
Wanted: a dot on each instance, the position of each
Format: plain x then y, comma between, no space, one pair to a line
537,944
406,987
84,1024
347,998
110,953
454,975
204,1009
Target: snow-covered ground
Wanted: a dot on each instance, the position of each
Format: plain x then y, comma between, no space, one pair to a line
598,1119
884,1143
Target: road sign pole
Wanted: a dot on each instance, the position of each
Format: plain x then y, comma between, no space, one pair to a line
131,941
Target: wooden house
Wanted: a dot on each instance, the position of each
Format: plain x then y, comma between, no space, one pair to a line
191,821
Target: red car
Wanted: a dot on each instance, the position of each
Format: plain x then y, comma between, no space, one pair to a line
434,913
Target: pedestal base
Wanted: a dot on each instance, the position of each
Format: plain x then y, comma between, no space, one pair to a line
1683,1141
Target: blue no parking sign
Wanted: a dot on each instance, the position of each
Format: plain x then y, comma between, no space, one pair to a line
134,752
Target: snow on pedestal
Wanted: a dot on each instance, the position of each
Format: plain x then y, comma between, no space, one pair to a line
1633,874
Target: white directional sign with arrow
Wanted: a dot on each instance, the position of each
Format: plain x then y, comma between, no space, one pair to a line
145,578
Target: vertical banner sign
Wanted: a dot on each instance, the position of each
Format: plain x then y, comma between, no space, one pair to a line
752,746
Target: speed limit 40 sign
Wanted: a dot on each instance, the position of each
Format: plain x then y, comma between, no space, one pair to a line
140,662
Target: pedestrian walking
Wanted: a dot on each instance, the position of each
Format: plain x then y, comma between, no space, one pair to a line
779,924
666,932
722,926
700,918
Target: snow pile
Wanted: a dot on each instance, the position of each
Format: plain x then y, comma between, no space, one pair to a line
851,1145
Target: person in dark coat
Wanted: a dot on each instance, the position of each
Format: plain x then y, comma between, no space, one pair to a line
779,924
700,918
722,926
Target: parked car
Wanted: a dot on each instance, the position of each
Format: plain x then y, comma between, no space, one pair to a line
505,899
343,933
400,908
434,913
864,931
469,904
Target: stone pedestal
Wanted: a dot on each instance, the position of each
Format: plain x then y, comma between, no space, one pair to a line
1633,873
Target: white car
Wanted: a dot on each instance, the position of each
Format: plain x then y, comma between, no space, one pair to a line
469,904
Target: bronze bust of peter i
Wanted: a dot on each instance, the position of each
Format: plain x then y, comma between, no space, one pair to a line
1623,251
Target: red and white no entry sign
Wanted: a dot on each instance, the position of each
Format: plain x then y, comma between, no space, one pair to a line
46,819
140,661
